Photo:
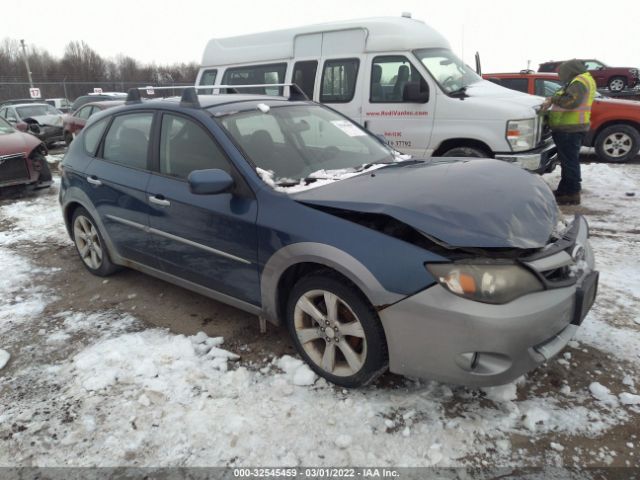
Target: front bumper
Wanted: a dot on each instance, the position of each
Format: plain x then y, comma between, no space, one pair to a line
540,160
438,335
49,134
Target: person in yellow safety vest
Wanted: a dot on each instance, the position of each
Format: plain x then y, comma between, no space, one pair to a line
569,111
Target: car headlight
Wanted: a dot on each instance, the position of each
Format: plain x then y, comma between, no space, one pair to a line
521,134
485,283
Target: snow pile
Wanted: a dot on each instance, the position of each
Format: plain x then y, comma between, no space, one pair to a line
37,219
629,398
298,371
603,394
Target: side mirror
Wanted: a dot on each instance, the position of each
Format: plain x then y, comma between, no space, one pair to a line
412,93
209,182
22,126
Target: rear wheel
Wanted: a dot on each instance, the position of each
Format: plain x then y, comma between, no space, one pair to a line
617,84
617,143
90,244
68,138
466,152
336,330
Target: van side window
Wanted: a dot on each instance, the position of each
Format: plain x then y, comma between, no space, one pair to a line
256,75
127,140
208,77
185,147
304,76
339,80
389,75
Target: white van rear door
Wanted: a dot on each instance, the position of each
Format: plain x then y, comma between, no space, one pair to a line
341,72
406,124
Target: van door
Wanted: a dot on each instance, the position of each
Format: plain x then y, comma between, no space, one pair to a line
406,123
341,81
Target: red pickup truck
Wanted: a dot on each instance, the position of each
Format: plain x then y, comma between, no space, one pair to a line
615,124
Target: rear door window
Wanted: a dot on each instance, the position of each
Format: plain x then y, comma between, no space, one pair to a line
127,140
519,84
85,112
339,80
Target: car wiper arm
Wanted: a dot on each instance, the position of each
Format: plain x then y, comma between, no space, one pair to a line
460,92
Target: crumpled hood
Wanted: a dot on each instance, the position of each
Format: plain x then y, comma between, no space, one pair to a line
52,120
478,203
17,142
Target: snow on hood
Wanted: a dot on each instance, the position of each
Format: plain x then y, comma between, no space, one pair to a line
478,203
52,120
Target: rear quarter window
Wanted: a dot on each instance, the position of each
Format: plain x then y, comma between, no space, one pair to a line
92,136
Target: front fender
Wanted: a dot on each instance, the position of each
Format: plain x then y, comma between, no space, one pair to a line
327,255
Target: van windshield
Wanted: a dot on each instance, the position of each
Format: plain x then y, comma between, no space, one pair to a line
299,142
449,71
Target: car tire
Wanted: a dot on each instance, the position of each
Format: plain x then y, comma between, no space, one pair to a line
68,138
466,152
90,244
617,143
346,347
616,84
45,171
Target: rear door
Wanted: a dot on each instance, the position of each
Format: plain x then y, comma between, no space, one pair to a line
118,178
209,240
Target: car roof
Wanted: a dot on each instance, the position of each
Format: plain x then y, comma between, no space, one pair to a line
550,75
30,104
104,103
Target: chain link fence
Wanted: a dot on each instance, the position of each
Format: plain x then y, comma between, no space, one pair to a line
13,90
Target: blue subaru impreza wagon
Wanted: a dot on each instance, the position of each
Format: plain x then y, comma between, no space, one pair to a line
459,270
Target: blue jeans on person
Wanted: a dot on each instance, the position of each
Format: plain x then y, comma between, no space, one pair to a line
569,144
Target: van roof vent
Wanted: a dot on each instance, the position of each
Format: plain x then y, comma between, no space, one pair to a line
406,14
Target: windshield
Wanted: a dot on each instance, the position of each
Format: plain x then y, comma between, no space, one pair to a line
300,141
5,127
448,70
36,110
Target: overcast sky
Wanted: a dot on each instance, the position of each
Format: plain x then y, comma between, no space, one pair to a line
507,33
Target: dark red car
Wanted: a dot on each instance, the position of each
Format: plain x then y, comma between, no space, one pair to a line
615,124
613,78
74,122
23,159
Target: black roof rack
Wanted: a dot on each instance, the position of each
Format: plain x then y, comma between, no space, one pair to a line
133,96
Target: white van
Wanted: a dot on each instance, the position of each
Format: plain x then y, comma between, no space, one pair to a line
397,77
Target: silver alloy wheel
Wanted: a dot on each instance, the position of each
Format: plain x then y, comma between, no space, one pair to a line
330,333
617,144
87,242
616,85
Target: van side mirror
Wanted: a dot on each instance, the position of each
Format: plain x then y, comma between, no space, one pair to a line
412,93
209,182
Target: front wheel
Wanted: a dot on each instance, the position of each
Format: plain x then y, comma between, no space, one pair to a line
90,244
68,138
617,143
336,330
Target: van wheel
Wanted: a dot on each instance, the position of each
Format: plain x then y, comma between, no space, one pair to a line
466,152
336,330
617,143
617,84
90,244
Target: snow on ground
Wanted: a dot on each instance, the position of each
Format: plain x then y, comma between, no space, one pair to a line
102,388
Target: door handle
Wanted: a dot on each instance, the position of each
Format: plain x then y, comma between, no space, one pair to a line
159,200
93,180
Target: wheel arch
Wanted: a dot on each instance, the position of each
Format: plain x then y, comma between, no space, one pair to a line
591,138
450,143
292,262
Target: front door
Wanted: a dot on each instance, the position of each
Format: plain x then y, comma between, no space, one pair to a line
209,240
406,124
